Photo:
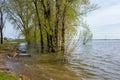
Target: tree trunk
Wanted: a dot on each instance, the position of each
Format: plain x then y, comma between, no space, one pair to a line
1,33
57,24
1,26
40,28
52,44
48,42
63,30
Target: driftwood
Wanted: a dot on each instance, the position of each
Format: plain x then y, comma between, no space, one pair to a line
19,55
24,55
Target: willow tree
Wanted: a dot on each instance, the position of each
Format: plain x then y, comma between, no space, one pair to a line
86,34
39,24
51,20
19,13
70,13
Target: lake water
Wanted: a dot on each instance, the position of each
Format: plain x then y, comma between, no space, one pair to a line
97,60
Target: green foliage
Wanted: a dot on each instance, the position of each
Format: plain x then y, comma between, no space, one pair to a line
4,76
86,34
49,22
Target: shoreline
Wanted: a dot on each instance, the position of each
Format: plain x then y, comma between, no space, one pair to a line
6,48
9,49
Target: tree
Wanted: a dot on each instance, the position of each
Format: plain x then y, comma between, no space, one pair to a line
39,23
21,15
2,18
51,20
86,34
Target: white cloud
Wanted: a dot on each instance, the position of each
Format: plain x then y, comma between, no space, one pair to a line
105,3
106,16
105,22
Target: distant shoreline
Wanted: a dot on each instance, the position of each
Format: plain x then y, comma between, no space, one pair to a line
105,39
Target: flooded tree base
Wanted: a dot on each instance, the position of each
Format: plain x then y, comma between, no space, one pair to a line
43,67
36,67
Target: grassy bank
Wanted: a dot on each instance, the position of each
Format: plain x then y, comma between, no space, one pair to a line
4,76
2,47
15,40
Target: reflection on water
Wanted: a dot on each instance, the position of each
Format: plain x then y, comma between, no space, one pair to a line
98,60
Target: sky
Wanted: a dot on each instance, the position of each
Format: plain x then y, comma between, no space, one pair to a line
9,31
104,22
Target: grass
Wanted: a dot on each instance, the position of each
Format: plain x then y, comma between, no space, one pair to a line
8,43
4,76
3,47
16,40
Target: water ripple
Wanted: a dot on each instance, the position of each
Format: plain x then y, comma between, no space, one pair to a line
98,61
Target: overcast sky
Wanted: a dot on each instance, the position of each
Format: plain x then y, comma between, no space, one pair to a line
104,22
9,31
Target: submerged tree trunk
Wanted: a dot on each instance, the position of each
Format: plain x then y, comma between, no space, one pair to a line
57,23
52,44
63,30
48,42
40,27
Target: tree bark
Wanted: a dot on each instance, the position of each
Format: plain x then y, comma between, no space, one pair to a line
1,33
48,42
57,24
40,27
1,26
63,30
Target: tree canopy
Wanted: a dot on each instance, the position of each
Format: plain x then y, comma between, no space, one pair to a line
48,22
